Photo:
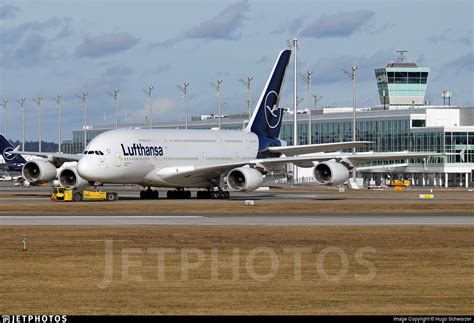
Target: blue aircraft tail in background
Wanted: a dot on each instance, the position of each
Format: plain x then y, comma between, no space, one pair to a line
6,149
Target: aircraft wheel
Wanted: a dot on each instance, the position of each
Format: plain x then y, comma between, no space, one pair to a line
77,197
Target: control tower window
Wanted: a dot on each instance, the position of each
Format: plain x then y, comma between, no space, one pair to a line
401,77
424,77
391,77
414,77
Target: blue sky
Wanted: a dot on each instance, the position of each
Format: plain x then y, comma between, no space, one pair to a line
68,47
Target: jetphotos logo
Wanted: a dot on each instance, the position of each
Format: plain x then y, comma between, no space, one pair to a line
273,113
140,150
34,319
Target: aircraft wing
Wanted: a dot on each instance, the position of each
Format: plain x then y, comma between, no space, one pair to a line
54,157
187,174
358,158
317,148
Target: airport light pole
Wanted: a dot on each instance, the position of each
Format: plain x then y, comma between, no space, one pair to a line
5,116
308,79
21,102
83,97
316,99
58,99
148,93
352,75
218,93
38,102
114,95
293,43
299,100
184,89
248,85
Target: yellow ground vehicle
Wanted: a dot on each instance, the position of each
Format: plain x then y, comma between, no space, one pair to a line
400,182
67,194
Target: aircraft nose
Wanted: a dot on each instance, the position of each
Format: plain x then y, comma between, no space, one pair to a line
85,169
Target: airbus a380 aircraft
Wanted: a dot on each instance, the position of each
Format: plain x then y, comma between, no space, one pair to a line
183,159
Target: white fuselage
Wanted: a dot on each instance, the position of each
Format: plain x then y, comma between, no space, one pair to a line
146,156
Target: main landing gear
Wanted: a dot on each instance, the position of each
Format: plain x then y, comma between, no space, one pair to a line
178,194
149,194
215,195
181,193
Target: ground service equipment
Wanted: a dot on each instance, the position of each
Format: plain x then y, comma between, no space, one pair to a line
66,194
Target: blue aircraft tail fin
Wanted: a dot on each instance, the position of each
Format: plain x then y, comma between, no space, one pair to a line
267,116
6,149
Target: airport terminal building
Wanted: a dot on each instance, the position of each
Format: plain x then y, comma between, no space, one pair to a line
402,122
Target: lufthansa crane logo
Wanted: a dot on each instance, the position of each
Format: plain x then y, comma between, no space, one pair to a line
272,111
7,154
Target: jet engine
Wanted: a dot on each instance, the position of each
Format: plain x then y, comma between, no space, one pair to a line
39,171
69,178
330,173
244,179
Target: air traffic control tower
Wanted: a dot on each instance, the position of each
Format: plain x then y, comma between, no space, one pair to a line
402,83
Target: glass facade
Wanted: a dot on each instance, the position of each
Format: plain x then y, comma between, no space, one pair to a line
458,141
388,135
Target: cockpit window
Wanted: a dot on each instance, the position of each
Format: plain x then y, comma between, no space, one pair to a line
101,153
85,152
97,152
91,152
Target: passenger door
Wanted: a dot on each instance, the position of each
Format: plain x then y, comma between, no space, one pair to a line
118,160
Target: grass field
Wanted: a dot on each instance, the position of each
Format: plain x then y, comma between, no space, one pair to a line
408,270
312,206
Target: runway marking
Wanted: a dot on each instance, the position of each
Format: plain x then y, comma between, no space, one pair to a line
242,220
